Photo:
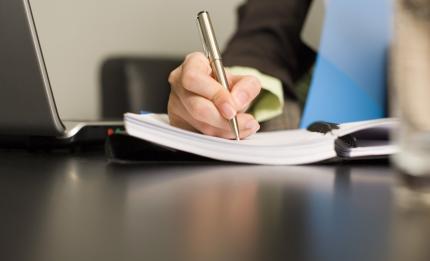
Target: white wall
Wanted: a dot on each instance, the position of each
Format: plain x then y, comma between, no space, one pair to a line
77,35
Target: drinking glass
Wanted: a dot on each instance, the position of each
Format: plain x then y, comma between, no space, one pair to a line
410,76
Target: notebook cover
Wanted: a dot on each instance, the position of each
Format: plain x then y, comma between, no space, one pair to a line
349,82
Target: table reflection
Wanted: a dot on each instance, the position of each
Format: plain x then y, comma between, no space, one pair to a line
66,207
252,212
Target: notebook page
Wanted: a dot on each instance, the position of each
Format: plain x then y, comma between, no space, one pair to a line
348,128
372,138
282,147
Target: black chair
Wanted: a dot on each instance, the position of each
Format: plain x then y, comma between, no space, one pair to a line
134,84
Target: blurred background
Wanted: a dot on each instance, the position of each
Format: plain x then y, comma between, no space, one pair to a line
78,36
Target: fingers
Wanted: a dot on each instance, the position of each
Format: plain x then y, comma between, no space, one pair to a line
209,89
244,90
199,103
196,78
203,110
180,118
246,123
196,107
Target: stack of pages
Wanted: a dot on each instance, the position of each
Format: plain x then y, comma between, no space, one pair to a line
366,139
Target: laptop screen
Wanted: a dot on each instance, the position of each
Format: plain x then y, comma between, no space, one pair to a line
27,105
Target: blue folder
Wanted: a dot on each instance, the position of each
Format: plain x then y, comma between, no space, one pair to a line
349,82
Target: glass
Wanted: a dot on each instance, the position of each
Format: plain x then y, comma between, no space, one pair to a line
411,79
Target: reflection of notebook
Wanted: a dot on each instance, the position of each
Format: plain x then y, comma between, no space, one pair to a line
319,143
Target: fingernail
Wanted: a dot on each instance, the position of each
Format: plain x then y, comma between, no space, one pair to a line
228,111
241,98
252,125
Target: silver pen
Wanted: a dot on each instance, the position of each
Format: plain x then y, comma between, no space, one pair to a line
211,50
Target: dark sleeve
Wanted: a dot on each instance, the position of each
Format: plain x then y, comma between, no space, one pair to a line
268,39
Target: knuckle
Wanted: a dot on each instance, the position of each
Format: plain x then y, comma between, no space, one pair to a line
190,55
190,78
196,59
194,55
199,55
173,77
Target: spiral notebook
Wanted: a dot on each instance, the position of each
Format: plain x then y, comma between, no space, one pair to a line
320,142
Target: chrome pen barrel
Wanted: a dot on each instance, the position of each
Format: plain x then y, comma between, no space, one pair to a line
219,73
208,36
221,77
211,49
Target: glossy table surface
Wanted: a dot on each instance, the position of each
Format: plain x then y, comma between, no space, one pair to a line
77,206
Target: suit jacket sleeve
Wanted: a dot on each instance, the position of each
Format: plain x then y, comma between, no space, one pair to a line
268,39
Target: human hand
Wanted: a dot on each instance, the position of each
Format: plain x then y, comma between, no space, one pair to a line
197,102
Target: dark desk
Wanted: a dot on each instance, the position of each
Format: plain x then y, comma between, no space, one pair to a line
64,207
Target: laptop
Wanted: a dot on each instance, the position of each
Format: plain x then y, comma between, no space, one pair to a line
28,113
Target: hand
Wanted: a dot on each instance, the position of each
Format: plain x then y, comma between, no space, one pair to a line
198,102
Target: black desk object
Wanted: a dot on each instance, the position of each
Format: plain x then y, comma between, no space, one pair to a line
63,206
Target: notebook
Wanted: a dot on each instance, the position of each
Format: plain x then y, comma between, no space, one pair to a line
352,63
319,142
